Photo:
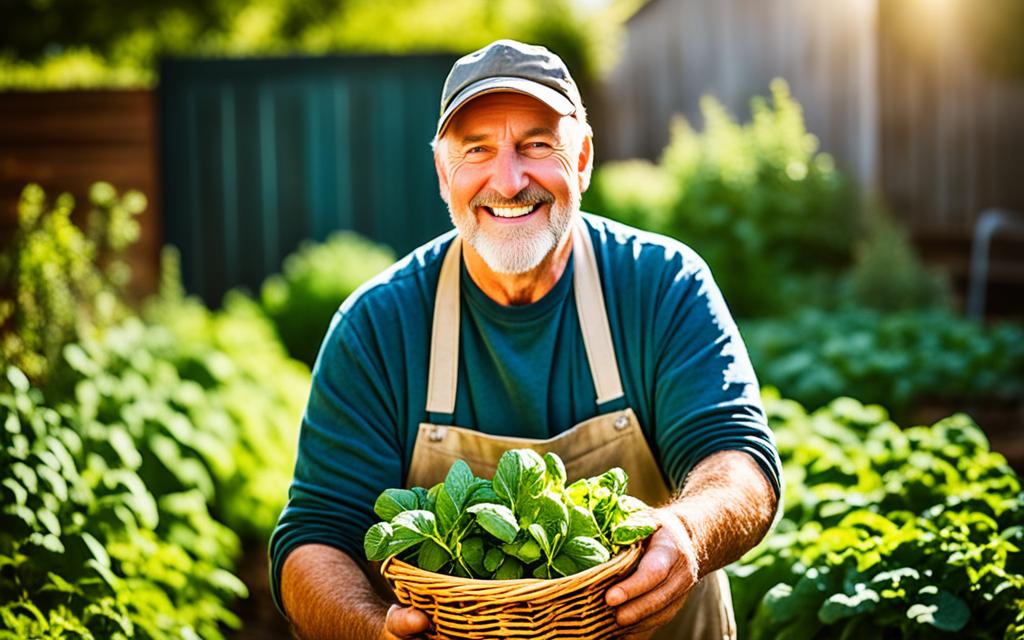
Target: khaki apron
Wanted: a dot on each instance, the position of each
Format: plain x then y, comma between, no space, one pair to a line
587,449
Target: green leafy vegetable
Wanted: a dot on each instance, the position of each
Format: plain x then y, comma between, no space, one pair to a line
524,522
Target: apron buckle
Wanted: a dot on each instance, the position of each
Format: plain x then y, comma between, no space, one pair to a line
621,423
437,433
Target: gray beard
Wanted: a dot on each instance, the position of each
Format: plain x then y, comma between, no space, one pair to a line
513,250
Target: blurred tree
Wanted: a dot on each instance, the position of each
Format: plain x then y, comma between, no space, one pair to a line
132,35
31,28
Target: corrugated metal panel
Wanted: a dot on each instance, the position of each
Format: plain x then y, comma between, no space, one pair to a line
261,154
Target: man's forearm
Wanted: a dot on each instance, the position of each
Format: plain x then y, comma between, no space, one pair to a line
327,596
727,506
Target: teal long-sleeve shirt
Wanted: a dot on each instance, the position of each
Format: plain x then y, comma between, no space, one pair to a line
523,371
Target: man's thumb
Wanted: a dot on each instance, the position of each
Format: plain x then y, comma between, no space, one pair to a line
406,621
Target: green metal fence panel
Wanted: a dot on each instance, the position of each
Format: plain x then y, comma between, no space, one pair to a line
258,155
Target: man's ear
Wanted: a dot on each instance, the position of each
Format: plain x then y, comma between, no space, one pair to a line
586,162
442,172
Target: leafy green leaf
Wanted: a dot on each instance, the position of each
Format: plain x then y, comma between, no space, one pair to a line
615,480
519,476
840,605
635,527
419,521
496,519
432,556
494,559
585,552
541,537
377,542
942,610
564,564
554,471
581,523
447,511
553,515
391,502
473,552
459,483
510,569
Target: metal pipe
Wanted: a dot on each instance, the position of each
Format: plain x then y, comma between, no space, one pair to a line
989,222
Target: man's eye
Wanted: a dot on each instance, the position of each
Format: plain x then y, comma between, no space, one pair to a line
537,149
477,154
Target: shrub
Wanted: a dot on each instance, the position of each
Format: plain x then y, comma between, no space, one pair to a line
147,431
886,532
893,360
243,393
58,284
771,215
88,550
886,274
316,280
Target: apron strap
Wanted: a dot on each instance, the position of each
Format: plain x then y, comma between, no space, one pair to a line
444,337
597,337
443,376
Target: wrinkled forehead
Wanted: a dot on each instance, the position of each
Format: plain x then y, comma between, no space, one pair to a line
501,110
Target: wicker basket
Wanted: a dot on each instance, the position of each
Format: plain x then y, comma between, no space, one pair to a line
467,609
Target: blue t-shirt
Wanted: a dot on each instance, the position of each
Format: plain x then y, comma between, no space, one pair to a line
523,371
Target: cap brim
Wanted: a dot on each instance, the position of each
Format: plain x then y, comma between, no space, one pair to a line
547,95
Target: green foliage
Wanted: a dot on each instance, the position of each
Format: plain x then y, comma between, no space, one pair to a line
87,550
58,284
241,391
886,532
523,522
71,42
771,215
316,280
148,431
887,275
888,359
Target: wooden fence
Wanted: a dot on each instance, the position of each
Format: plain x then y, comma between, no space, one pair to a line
914,119
67,140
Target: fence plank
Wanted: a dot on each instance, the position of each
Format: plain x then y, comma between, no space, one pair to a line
67,140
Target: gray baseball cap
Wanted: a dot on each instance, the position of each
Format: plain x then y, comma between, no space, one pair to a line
507,65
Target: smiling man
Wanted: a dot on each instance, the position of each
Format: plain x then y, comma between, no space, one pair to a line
530,324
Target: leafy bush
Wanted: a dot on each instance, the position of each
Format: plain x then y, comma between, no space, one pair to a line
58,284
244,395
773,217
146,429
316,280
525,521
886,532
87,550
886,274
892,360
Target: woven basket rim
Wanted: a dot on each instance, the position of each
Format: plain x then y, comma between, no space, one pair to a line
624,557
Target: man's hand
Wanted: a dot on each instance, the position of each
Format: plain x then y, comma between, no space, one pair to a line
655,593
404,622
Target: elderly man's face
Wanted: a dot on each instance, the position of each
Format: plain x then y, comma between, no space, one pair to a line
512,171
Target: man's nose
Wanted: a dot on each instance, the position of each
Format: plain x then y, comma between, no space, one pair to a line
509,177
